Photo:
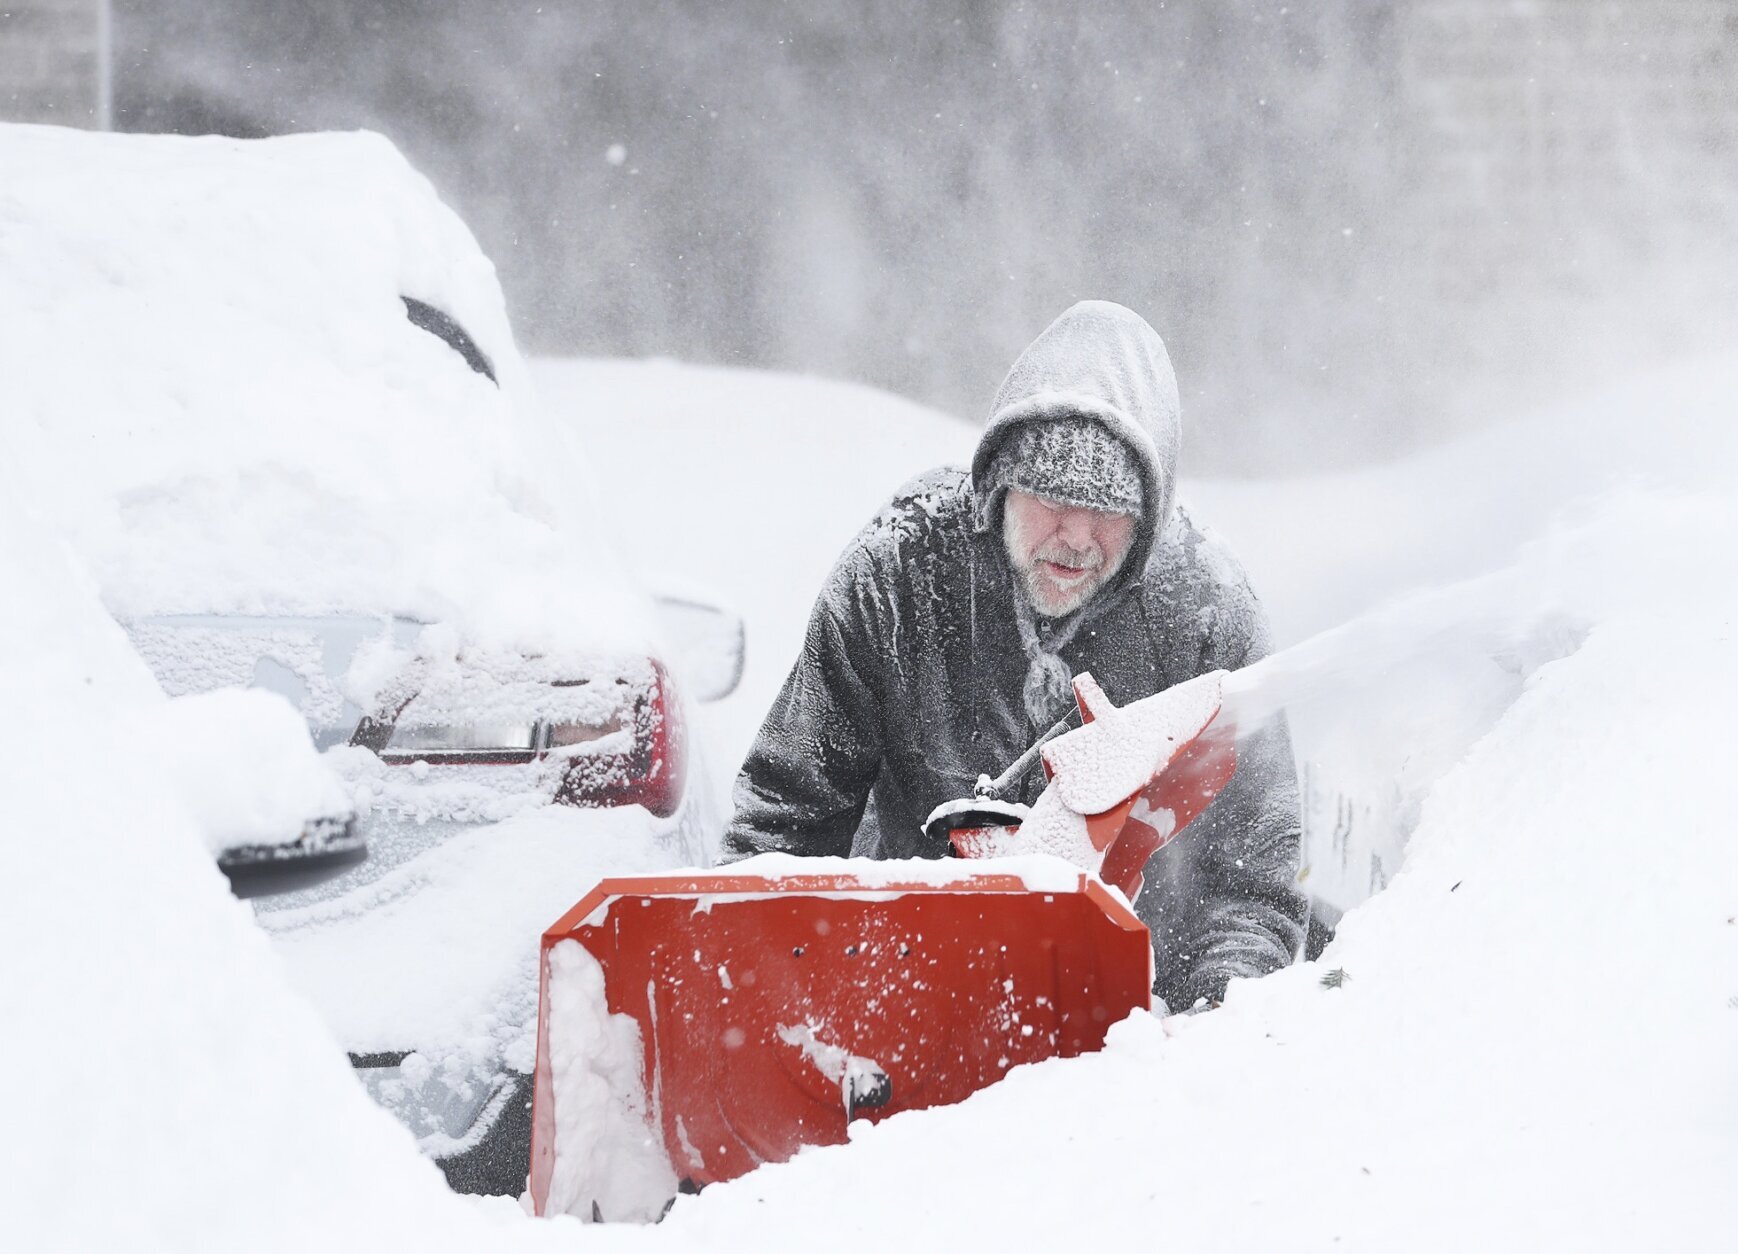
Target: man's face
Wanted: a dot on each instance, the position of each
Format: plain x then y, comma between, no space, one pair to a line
1062,553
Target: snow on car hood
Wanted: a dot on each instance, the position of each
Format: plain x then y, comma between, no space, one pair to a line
210,358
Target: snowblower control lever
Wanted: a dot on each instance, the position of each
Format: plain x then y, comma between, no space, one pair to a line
988,789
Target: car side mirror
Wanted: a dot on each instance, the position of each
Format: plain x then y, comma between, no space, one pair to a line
708,643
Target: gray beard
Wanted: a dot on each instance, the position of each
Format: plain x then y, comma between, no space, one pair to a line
1048,687
1029,577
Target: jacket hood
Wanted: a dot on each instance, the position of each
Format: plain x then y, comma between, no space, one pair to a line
1098,360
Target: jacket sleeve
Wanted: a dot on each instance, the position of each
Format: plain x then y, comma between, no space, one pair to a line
807,777
1249,915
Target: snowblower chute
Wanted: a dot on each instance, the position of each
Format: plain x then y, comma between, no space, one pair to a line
777,1000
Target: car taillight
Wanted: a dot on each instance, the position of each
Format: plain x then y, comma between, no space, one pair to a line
650,772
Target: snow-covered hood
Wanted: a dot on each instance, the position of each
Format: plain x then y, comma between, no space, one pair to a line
1103,361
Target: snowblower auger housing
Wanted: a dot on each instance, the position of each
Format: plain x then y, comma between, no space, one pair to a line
778,1000
774,1008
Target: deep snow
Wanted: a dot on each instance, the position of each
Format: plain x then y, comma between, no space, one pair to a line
169,1090
1532,1044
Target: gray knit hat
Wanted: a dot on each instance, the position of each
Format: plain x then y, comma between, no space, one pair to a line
1073,460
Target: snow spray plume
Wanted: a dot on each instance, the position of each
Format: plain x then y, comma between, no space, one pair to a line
1599,557
1396,650
1381,707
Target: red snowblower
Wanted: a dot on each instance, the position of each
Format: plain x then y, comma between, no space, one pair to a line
778,999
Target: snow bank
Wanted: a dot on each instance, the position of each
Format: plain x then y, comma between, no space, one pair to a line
1423,555
171,1092
213,365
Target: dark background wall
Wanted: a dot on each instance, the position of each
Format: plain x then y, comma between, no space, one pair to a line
1357,224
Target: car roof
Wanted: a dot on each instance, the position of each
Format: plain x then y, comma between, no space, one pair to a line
276,376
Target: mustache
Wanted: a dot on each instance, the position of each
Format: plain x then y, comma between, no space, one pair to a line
1064,555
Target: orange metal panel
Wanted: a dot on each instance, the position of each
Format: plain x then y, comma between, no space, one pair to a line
750,992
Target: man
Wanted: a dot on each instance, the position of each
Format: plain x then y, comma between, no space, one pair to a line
947,635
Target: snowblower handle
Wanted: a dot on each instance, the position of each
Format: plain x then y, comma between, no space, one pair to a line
993,789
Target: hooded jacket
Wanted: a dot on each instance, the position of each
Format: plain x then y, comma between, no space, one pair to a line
910,682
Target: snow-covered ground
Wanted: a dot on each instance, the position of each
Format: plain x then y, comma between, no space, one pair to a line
1534,1042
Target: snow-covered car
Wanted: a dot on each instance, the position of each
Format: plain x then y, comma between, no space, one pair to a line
300,452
